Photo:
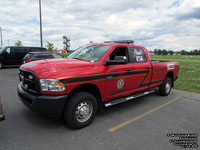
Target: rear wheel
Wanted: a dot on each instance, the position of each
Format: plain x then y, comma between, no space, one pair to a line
80,110
1,65
165,88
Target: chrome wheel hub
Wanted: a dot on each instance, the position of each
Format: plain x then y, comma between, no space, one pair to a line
168,87
84,111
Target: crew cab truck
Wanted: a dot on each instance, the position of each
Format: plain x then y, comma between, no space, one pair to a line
91,78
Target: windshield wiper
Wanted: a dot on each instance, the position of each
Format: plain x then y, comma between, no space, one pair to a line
80,59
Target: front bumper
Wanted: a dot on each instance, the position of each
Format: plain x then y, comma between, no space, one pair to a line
2,117
48,105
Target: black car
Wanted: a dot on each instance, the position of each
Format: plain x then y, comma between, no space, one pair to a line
33,56
13,55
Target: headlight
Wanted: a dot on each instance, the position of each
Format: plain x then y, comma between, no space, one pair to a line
51,85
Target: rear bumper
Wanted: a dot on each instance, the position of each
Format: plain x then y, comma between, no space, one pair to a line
48,105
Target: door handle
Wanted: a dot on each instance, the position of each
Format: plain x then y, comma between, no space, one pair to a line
148,67
128,69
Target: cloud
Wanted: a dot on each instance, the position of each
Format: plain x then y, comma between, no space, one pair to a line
172,24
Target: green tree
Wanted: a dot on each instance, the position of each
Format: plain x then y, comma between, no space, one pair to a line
164,52
50,46
159,52
18,43
170,52
155,51
184,52
196,52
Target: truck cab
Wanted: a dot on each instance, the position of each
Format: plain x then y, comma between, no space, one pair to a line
91,78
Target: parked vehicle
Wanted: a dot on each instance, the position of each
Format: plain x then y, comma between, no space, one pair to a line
91,78
13,55
2,117
33,56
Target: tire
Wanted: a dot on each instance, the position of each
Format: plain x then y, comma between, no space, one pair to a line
165,88
80,110
1,65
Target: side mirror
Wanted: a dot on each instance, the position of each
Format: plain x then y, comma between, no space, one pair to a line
118,60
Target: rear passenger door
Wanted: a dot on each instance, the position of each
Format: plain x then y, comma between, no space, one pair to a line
141,68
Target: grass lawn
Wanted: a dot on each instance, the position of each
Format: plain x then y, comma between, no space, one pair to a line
189,73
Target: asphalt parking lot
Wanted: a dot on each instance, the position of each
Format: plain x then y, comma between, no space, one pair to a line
142,123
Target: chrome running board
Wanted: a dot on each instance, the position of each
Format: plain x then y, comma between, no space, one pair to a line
124,99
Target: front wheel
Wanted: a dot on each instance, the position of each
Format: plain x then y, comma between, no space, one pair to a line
80,110
165,88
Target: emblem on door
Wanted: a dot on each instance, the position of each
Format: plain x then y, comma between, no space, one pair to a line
120,83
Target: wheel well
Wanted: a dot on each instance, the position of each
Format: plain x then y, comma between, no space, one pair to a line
92,89
171,75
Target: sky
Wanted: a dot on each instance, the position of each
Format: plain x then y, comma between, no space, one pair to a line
161,24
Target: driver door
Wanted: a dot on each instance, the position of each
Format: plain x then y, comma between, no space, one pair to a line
117,76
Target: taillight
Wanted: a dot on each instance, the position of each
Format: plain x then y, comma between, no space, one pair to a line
29,60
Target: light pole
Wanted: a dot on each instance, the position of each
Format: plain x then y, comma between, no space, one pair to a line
1,37
41,41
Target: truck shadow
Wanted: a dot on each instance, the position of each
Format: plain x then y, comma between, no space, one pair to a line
41,121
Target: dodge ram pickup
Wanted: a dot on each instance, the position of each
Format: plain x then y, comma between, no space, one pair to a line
91,78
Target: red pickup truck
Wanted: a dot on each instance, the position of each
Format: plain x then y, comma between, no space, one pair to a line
91,78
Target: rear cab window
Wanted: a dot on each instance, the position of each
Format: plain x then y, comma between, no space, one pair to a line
28,56
47,56
137,55
42,56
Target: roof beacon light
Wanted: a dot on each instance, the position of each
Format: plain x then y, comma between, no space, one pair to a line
121,41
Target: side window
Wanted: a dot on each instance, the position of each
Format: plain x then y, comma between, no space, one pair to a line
8,50
37,56
119,51
34,49
25,50
43,49
47,56
137,55
37,49
56,55
19,50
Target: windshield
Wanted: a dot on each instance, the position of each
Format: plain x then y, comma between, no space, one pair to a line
90,52
1,50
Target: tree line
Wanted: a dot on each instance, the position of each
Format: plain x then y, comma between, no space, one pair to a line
171,52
